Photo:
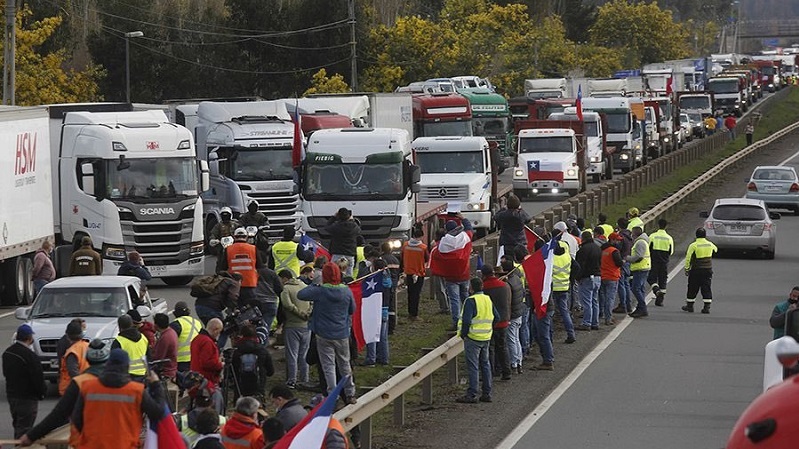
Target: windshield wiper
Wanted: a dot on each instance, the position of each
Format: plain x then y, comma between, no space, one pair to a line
77,314
49,315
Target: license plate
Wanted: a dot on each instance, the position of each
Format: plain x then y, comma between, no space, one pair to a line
54,363
773,188
739,229
157,269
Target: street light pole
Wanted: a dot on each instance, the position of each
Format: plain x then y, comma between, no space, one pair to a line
129,35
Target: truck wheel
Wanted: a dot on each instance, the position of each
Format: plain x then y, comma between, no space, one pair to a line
28,283
14,276
177,280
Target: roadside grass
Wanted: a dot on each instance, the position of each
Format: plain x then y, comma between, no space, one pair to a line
781,115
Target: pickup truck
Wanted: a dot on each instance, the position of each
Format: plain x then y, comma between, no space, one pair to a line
99,300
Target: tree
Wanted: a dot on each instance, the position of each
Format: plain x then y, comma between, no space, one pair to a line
321,83
41,78
643,32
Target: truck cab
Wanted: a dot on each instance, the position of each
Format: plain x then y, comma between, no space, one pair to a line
249,150
98,300
600,161
367,170
491,119
441,114
624,133
729,94
548,159
457,170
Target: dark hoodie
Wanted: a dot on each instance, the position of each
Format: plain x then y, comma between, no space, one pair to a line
129,268
116,376
589,256
248,384
333,305
343,236
239,426
500,294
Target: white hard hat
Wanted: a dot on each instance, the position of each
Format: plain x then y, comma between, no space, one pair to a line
240,232
225,210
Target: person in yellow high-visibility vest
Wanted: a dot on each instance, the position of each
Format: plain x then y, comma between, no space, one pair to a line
476,324
699,269
640,264
661,247
135,345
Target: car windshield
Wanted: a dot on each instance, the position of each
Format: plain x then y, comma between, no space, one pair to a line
694,103
545,145
739,212
695,117
151,178
684,119
778,174
354,181
455,128
74,302
256,164
450,162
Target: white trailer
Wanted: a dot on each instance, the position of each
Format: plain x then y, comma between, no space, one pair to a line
545,88
374,110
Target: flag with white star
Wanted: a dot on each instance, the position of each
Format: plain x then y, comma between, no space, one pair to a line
309,244
366,321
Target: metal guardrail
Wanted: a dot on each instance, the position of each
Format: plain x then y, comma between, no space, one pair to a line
421,371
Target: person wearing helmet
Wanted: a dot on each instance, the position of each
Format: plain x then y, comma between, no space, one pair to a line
252,217
243,258
699,269
225,227
634,218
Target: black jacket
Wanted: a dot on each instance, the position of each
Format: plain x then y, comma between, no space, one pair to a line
252,385
227,295
511,226
343,236
517,305
589,256
23,372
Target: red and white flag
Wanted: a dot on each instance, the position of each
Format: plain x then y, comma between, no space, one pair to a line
670,85
368,317
538,272
310,432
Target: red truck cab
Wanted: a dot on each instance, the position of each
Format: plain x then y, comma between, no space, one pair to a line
441,114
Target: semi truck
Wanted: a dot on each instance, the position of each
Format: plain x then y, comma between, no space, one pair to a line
624,133
491,119
594,124
373,110
248,146
460,171
729,94
315,114
129,180
367,170
441,114
696,102
769,73
550,157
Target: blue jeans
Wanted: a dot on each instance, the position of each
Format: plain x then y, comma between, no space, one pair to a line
378,352
607,297
298,340
205,314
457,292
513,343
624,288
589,297
478,365
38,284
561,300
524,331
639,283
543,335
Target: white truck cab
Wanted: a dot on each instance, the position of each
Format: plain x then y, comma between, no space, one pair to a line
546,162
595,140
456,170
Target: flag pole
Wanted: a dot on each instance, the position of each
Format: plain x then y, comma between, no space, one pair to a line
534,233
364,277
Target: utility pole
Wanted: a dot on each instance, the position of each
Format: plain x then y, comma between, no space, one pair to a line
353,50
9,54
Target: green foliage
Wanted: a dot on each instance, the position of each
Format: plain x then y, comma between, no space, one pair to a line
643,32
323,84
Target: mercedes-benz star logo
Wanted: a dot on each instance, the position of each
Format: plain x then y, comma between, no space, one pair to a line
442,192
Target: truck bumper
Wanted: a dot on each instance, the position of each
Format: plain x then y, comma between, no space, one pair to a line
544,186
191,267
596,168
622,162
481,219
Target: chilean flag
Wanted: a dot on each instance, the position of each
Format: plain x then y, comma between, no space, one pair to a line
309,244
311,431
163,434
531,237
579,102
670,85
368,294
538,272
296,150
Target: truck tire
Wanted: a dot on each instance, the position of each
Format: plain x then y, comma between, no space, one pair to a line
28,270
15,278
177,280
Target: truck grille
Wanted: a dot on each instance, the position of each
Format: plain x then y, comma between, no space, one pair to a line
48,346
374,228
159,242
437,193
280,208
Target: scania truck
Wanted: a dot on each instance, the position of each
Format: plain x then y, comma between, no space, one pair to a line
366,170
128,180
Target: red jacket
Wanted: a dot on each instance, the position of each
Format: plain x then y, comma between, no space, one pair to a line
205,357
242,432
730,122
450,258
148,330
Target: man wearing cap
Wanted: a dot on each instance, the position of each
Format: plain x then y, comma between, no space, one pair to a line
450,261
589,259
568,238
500,293
85,261
635,220
134,266
640,263
74,360
25,385
288,254
145,327
187,328
135,345
109,410
96,355
511,221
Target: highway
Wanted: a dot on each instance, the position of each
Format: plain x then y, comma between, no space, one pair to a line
673,379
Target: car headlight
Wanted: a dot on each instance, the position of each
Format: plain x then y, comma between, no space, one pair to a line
196,249
637,146
571,173
114,252
518,173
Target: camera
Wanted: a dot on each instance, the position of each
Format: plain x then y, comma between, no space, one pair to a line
240,317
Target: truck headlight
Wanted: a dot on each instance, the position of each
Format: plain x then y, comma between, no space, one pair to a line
518,173
571,173
395,244
475,206
114,252
637,146
596,159
666,139
196,249
624,157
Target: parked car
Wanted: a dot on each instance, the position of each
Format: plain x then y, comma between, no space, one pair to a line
777,186
99,300
698,124
742,224
687,127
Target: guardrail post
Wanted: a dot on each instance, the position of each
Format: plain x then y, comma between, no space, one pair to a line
399,410
605,195
574,205
452,371
548,217
590,206
557,213
366,433
540,220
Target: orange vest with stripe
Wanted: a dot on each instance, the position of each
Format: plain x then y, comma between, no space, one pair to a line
112,417
252,440
241,259
607,268
74,435
79,349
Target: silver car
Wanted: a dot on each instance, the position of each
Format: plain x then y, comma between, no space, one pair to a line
777,186
742,224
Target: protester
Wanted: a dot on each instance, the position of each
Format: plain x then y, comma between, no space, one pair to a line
74,360
589,258
500,293
43,270
135,267
187,328
296,334
205,359
242,431
475,328
610,267
188,423
343,231
145,327
377,352
289,409
517,308
25,385
780,312
640,264
166,347
450,260
273,431
267,296
135,345
511,220
625,293
414,261
207,426
252,364
390,293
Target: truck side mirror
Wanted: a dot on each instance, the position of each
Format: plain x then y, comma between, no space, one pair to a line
87,178
416,174
205,178
213,164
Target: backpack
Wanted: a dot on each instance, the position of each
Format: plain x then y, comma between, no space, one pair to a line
206,286
249,364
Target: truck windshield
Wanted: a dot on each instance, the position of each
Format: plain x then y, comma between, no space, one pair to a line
546,145
257,164
618,122
451,162
724,86
494,126
695,103
74,302
354,181
459,128
768,71
151,178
